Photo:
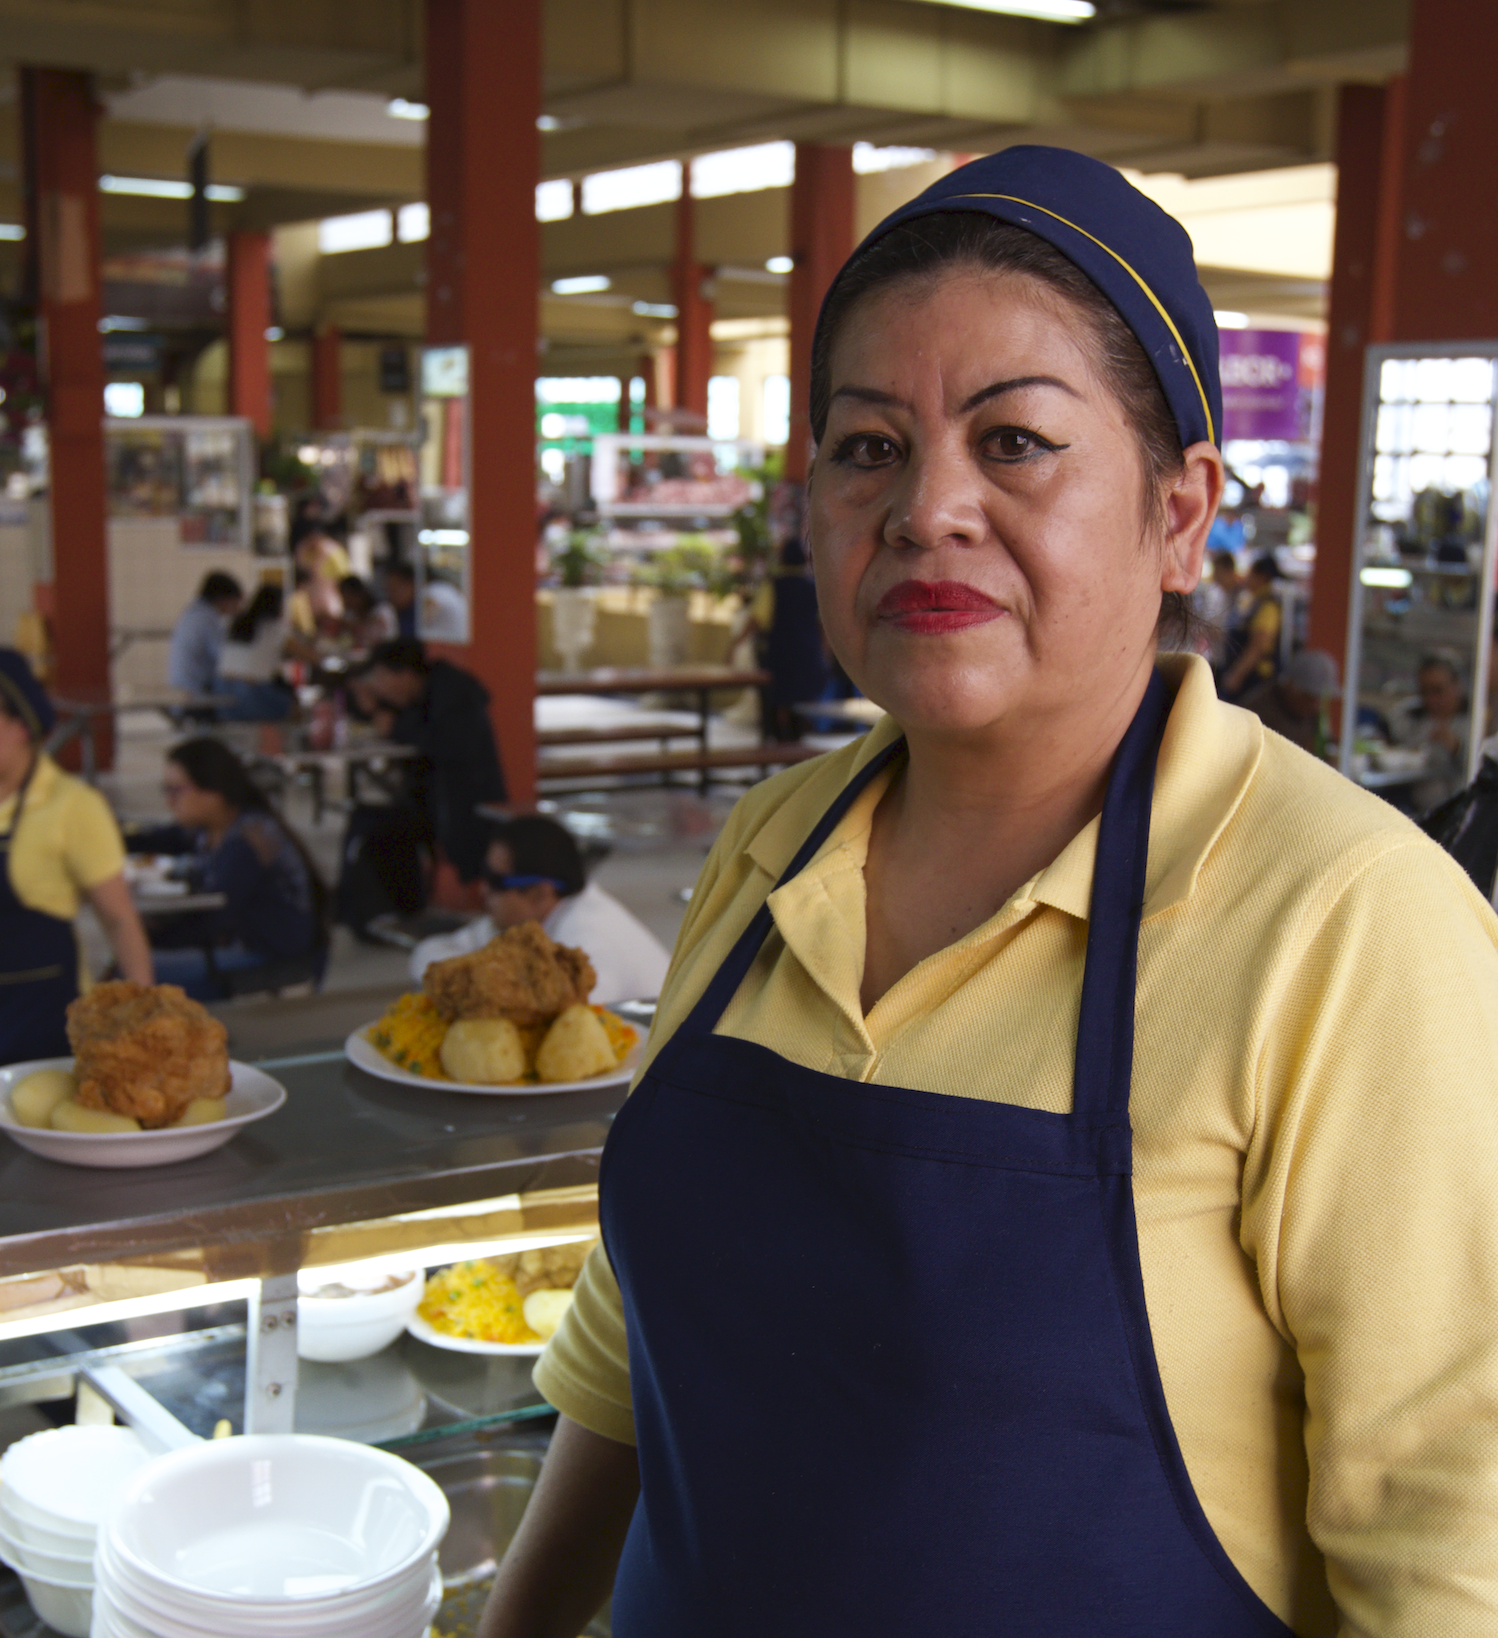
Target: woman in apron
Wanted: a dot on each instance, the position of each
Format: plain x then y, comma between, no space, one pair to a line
1050,1207
59,844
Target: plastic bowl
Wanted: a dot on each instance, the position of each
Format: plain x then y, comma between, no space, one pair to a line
73,1543
334,1330
276,1520
66,1608
65,1480
77,1570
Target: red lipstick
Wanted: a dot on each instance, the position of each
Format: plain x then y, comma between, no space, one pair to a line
936,606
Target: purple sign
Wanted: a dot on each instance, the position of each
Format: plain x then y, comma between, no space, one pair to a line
1261,384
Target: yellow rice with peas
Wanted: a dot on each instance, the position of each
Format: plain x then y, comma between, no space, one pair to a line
476,1300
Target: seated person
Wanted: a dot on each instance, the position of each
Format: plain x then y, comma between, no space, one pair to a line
400,593
367,622
249,663
1437,721
240,847
534,872
1292,704
198,636
1253,638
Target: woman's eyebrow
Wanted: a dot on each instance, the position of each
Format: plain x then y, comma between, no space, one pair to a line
998,388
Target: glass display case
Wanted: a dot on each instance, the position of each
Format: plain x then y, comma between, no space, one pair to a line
1420,624
199,469
173,1290
442,559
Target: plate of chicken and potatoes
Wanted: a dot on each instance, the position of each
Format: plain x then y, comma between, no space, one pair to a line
150,1082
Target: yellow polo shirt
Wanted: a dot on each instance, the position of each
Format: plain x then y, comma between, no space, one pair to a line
1315,1113
66,843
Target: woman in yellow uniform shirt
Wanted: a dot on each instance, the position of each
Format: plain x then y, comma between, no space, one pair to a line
59,845
1060,1202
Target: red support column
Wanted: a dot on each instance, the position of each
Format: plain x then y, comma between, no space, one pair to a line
248,279
1369,136
483,67
1446,287
327,378
59,118
694,312
821,241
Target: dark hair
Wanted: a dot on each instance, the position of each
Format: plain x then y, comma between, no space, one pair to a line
1265,567
401,654
1440,662
541,847
400,571
212,766
352,586
927,247
1224,560
265,605
217,586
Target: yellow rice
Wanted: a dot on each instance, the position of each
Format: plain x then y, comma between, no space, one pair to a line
476,1299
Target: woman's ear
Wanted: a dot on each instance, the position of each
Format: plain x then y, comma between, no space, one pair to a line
1191,504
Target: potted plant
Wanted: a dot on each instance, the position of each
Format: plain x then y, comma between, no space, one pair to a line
574,611
674,574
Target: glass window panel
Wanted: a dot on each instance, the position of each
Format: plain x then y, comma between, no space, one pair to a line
1392,433
1465,471
1471,431
1395,379
1434,380
1472,381
1426,472
1383,477
1430,429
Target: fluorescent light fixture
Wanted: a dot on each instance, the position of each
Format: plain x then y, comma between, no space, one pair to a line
548,122
1048,11
364,230
554,200
1393,579
586,284
158,1302
12,230
744,170
780,264
631,187
1227,320
399,108
275,333
868,158
577,389
118,321
124,400
654,309
413,223
443,537
152,187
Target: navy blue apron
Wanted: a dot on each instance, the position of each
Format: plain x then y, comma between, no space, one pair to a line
891,1366
38,966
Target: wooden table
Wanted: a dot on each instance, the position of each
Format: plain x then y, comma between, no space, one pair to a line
700,680
76,719
356,760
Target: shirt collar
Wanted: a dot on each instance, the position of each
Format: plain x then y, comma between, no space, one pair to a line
1208,759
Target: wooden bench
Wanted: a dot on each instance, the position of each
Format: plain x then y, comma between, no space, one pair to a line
620,731
666,763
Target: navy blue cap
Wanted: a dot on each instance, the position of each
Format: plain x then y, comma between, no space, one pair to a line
1138,255
23,695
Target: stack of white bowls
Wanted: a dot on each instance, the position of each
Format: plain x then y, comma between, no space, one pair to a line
270,1535
55,1487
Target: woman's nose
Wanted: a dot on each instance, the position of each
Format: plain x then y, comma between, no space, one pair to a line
938,498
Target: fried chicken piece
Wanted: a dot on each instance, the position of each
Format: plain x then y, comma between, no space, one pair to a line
146,1050
521,975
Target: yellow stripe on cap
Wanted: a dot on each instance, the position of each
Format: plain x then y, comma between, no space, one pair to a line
24,708
1154,299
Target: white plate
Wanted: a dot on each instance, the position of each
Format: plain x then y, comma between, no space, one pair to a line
363,1054
252,1096
424,1332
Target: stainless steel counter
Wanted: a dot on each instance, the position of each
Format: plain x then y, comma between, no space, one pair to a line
346,1147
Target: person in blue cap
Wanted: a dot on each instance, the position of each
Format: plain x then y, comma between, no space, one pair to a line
59,846
1048,1208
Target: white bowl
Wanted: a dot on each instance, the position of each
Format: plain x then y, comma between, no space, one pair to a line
134,1616
337,1329
76,1542
76,1569
66,1479
252,1096
276,1520
67,1608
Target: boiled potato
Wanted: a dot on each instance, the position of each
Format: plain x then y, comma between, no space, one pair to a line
201,1112
34,1098
543,1310
69,1116
486,1050
576,1046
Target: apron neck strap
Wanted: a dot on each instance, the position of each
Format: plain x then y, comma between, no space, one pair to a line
1105,1027
730,975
